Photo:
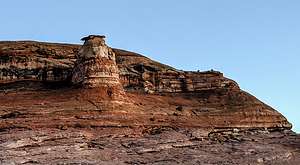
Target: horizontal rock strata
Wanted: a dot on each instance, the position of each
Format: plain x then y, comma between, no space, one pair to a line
215,97
96,65
91,104
48,62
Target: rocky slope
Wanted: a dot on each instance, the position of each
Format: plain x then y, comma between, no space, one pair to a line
63,103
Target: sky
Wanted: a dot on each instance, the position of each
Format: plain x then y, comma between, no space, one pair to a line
254,42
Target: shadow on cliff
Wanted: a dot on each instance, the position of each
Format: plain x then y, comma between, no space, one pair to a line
34,85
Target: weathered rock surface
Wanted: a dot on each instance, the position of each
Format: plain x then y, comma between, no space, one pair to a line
66,104
48,62
96,68
96,64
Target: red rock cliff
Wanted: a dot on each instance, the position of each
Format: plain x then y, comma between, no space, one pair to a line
208,98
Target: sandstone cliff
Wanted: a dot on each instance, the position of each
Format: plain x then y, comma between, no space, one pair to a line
54,62
36,64
65,102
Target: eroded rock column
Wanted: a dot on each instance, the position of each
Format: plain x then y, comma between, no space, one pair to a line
96,72
95,65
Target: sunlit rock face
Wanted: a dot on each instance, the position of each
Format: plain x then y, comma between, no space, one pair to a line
152,114
96,64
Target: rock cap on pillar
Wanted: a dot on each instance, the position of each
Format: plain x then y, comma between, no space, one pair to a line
92,37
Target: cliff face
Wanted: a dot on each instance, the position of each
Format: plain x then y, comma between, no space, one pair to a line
55,62
91,94
28,62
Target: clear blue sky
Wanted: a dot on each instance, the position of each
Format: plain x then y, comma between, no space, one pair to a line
255,42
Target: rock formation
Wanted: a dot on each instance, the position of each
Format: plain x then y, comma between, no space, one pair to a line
96,65
54,94
96,69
